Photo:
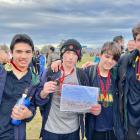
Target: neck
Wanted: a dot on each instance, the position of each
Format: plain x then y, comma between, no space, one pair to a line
67,69
103,72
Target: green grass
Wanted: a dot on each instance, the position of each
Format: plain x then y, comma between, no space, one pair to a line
33,128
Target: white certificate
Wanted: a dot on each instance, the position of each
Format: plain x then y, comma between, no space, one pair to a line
76,98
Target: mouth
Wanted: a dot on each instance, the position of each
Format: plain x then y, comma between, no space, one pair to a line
69,62
23,62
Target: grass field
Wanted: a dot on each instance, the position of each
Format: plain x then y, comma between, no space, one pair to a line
33,128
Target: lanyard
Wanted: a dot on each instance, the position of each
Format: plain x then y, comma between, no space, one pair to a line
137,67
104,88
15,66
61,79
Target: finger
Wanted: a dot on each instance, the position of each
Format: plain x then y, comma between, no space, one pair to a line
56,69
15,115
23,107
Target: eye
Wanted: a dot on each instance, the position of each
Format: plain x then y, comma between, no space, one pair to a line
107,56
29,51
19,51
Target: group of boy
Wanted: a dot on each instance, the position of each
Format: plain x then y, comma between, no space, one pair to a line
115,117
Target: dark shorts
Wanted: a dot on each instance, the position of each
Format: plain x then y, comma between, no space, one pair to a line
52,136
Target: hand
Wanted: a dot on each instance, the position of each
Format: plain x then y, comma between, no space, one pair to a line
49,87
95,109
4,58
87,64
56,65
21,113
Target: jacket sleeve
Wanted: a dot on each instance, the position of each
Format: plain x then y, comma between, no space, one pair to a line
37,99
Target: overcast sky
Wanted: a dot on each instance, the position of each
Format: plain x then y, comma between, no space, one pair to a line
50,21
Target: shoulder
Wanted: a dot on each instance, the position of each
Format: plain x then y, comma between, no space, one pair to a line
80,71
91,70
128,58
82,76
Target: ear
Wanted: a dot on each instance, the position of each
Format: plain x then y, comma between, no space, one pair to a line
11,53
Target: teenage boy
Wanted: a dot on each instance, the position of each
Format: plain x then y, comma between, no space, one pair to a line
59,125
107,125
15,77
129,89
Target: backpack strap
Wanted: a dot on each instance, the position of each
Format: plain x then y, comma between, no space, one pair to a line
82,77
91,73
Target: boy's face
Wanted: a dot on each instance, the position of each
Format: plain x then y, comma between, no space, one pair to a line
138,42
107,61
22,55
70,58
131,45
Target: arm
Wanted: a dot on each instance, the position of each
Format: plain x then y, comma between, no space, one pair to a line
56,65
87,64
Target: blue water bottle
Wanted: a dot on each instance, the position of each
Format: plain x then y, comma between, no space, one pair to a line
22,101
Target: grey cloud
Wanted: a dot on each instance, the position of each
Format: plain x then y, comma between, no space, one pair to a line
49,21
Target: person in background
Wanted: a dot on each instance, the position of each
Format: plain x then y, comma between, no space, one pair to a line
96,59
52,56
131,46
119,40
40,60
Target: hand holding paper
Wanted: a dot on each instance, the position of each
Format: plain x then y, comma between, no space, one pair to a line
76,98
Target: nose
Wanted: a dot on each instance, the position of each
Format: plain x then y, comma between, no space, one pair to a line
110,60
24,55
70,55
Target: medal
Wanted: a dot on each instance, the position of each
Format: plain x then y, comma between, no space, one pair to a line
104,88
8,67
105,104
110,98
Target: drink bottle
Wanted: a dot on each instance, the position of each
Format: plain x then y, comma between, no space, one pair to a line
22,101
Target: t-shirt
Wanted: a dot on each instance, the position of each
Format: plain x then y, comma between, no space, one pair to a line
62,122
104,121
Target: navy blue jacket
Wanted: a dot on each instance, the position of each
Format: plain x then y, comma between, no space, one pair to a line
125,63
46,103
118,129
19,131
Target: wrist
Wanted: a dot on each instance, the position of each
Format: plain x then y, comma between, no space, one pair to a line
43,95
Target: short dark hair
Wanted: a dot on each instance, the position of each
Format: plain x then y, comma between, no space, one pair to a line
117,38
18,38
111,48
52,48
136,30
